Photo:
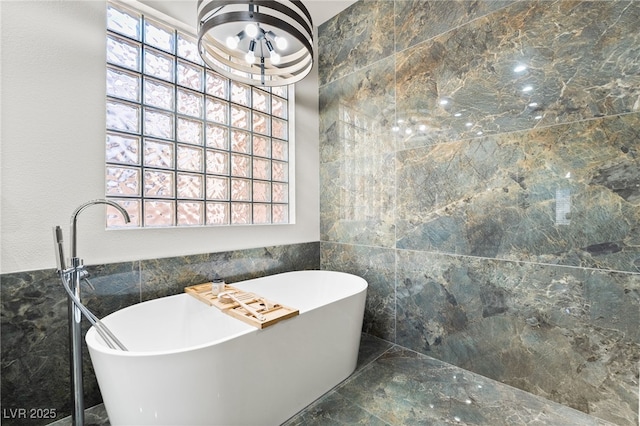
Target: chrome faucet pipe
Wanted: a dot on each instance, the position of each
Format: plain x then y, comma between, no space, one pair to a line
75,314
74,219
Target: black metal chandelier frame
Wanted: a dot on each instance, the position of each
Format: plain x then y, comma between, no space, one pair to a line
285,18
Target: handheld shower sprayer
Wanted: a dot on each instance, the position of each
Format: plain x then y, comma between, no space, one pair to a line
57,239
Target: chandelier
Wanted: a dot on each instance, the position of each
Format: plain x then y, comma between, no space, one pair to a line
259,42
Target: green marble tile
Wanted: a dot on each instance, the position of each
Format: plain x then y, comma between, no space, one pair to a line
376,266
355,39
578,61
420,20
550,330
502,196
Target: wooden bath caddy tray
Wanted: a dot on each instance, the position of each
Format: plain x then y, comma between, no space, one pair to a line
272,311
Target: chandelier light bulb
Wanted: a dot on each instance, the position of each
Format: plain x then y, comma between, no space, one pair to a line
281,43
275,58
232,42
250,57
251,30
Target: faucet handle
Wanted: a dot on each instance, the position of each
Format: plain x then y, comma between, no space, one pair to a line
84,275
86,280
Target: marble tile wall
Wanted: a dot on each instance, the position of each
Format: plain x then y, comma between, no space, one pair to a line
480,167
35,369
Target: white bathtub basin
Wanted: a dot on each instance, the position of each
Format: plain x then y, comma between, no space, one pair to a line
190,364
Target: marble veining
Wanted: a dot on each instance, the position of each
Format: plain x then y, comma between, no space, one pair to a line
528,65
511,206
403,387
449,207
420,20
527,325
357,39
378,269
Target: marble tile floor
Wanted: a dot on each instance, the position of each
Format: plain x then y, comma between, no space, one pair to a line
393,385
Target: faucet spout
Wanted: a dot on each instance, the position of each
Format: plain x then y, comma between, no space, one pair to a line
74,219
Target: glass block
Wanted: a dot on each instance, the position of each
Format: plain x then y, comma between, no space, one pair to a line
123,53
121,116
240,213
280,213
240,165
240,93
240,190
279,129
123,21
217,85
240,141
158,154
190,103
281,91
190,186
261,123
217,136
122,84
115,218
261,100
261,146
158,35
158,94
280,192
280,171
123,181
261,213
158,184
122,149
188,48
239,117
279,107
217,214
217,162
158,213
158,64
261,168
158,124
217,188
217,111
190,213
280,150
190,75
190,158
189,131
261,191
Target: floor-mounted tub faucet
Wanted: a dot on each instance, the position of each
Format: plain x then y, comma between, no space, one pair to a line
72,276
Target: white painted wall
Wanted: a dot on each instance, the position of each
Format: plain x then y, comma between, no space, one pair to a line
52,146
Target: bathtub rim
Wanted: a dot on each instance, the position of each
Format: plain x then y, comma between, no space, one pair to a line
95,342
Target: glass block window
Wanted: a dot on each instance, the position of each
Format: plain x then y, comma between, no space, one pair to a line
184,145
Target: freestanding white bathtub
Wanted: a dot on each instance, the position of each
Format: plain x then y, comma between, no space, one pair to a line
189,364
